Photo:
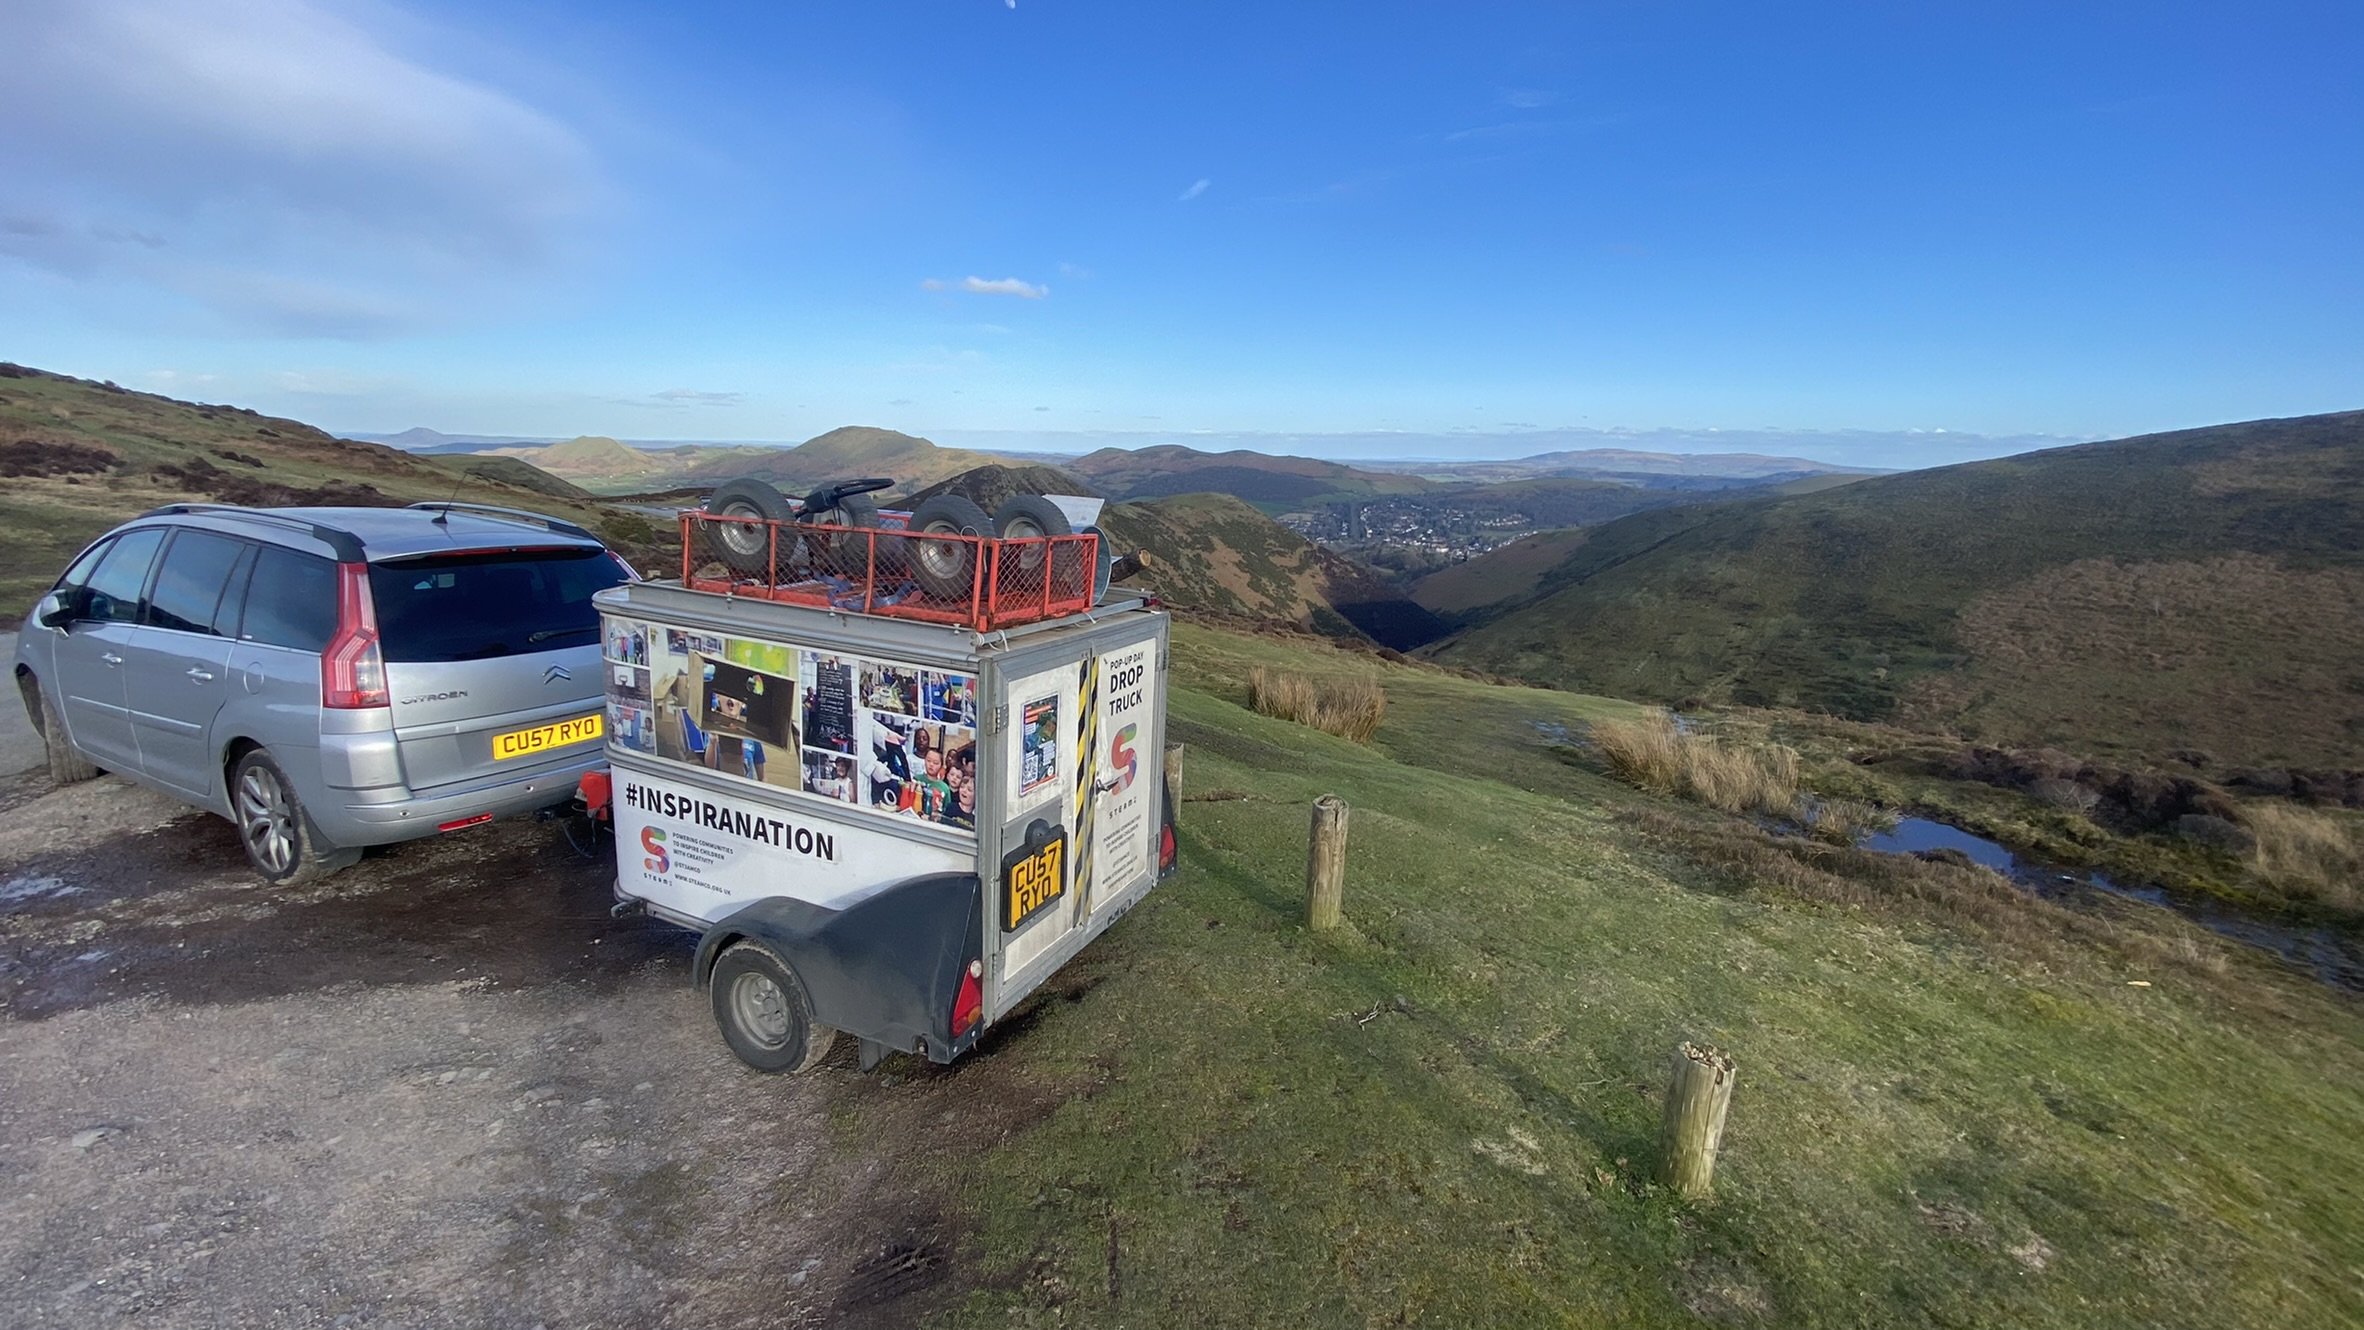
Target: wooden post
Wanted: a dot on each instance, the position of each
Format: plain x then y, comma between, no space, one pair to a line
1325,864
1174,773
1695,1107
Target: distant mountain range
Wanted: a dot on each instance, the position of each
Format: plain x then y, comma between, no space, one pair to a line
1270,481
2200,590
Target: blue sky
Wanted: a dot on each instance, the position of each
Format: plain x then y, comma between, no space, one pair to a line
1444,227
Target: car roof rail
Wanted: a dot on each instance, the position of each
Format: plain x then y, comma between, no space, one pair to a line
345,543
544,520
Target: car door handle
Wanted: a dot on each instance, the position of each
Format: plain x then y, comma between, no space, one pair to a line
200,674
110,657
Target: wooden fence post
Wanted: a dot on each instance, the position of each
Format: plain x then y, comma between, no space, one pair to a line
1696,1103
1174,773
1325,864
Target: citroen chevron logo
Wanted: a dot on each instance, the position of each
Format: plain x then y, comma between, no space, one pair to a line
557,674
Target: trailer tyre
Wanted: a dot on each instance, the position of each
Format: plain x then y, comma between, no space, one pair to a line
745,547
763,1011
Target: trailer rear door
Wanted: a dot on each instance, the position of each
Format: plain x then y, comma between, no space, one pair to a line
1081,774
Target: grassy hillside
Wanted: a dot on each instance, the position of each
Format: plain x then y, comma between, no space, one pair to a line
1948,1112
1266,481
1214,552
80,457
1510,574
2202,589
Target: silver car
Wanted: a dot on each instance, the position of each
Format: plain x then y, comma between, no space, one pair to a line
327,678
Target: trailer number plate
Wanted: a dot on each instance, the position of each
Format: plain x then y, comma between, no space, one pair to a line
1033,875
543,738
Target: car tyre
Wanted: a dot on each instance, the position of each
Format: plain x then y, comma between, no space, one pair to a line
66,765
765,1016
845,553
946,569
277,834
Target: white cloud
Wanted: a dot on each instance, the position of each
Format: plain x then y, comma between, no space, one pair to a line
997,286
1527,99
1200,186
276,163
694,397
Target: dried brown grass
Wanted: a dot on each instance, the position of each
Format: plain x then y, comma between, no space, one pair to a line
2309,855
1657,756
1348,708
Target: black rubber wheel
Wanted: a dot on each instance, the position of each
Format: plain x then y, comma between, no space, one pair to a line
763,1011
946,569
280,840
1029,517
66,764
842,551
747,548
1103,564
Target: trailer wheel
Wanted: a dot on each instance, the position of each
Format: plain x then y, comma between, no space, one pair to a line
763,1011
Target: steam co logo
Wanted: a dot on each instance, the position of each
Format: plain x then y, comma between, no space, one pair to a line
653,841
1123,756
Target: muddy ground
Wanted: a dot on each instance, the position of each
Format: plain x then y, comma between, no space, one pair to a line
442,1088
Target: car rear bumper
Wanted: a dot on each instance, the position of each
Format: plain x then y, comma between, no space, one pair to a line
407,816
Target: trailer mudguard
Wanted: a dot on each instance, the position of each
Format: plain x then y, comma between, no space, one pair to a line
886,968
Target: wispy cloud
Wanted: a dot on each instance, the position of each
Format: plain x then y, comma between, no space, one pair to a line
1075,270
1526,99
1197,187
696,397
278,163
993,286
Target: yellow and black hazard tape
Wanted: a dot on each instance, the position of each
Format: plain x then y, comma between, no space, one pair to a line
1087,781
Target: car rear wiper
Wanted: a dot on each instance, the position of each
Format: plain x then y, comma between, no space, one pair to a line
548,633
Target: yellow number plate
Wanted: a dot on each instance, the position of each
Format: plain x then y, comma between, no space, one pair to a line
1030,881
543,738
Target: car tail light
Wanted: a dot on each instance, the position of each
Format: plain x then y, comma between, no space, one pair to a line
968,1010
462,823
594,792
352,668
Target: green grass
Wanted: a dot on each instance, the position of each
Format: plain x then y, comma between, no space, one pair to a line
1251,1129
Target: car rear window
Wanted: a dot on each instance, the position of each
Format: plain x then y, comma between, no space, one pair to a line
448,607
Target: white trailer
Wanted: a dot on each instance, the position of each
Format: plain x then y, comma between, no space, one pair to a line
894,828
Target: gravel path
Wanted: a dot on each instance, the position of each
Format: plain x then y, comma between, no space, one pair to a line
442,1088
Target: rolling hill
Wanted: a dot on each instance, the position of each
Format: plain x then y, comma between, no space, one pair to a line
2196,590
844,453
1215,553
80,456
1258,478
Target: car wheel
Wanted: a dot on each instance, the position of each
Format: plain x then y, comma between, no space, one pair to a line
745,546
946,569
66,766
763,1011
278,835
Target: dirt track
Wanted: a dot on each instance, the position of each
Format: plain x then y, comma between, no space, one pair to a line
441,1088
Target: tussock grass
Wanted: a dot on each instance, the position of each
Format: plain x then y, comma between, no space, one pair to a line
2310,855
1657,756
1348,708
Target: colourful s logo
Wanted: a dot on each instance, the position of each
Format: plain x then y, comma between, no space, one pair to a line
653,841
1122,756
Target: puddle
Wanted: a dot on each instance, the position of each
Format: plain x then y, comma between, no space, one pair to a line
2334,958
34,886
1550,732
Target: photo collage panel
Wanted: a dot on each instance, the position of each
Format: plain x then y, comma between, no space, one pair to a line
893,740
